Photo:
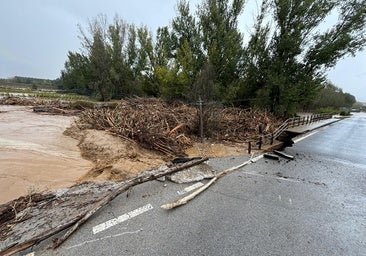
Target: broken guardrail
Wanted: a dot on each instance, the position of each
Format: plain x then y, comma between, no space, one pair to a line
268,139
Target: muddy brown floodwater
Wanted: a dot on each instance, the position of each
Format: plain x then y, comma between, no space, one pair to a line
34,154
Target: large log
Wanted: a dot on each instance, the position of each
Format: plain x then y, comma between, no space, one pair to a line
124,187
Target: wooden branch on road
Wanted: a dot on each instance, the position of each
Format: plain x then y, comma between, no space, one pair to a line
191,196
75,221
144,177
283,154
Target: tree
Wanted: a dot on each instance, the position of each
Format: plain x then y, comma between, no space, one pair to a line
299,53
180,54
222,41
331,96
100,64
76,76
256,63
111,63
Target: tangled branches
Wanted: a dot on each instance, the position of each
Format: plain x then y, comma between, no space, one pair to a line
172,127
152,123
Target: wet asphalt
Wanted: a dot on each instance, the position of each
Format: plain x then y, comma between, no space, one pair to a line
313,205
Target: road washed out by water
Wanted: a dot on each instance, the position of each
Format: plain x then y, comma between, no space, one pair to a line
34,154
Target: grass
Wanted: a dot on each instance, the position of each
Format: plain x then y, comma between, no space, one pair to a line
28,92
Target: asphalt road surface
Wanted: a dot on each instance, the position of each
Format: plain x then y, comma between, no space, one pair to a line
313,205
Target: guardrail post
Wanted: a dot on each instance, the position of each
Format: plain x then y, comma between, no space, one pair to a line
271,138
260,143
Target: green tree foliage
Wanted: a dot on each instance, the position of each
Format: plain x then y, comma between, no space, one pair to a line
202,54
332,96
77,74
181,46
28,81
100,65
111,63
221,38
296,53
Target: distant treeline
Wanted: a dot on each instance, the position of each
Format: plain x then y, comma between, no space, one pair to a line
30,82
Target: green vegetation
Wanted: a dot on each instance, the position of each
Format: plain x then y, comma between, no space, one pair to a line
29,92
202,56
30,82
37,87
330,96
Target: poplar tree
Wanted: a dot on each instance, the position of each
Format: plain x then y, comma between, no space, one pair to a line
298,52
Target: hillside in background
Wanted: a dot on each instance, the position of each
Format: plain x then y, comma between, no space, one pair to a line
29,82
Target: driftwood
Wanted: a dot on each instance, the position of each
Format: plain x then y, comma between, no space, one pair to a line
283,154
124,187
98,202
191,196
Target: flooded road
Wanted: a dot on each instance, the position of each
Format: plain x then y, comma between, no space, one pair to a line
34,154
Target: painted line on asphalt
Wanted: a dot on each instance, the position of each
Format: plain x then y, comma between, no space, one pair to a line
190,188
103,238
273,177
302,138
110,223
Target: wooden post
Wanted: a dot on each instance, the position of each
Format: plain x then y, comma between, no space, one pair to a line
260,142
249,147
271,138
200,104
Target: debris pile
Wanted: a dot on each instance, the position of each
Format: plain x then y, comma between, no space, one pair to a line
242,125
172,127
49,106
22,101
151,122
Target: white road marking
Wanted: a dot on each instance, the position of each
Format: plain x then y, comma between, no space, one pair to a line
302,138
103,238
190,188
110,223
273,177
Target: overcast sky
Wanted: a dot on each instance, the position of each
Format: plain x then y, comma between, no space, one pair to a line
37,34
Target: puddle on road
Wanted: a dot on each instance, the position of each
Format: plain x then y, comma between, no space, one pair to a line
34,154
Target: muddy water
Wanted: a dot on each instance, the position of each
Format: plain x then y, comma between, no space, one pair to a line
34,154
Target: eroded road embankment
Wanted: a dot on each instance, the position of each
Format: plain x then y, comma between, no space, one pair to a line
34,154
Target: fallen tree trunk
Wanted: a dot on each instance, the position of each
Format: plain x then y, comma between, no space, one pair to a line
191,196
80,218
124,187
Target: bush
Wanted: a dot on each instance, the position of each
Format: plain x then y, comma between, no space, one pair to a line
327,110
345,113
